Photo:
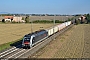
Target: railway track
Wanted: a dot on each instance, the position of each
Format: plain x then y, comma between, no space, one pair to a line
8,52
24,53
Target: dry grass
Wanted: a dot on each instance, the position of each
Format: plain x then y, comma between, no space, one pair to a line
49,50
74,43
12,32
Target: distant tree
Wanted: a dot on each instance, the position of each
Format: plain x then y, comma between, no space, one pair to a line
7,14
69,19
3,20
76,22
78,15
22,18
27,19
47,21
72,18
88,18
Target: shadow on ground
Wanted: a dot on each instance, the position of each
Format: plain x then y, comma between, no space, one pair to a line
17,44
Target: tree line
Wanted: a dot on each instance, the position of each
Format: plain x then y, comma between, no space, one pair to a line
88,17
27,19
47,21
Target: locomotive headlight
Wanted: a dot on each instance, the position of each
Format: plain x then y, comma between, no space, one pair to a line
23,44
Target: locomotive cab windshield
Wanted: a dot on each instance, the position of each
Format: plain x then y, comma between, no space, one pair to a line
26,41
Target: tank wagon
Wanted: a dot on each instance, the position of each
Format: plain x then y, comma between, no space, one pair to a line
32,39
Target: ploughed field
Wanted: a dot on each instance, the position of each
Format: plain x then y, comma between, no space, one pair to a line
12,32
50,17
74,43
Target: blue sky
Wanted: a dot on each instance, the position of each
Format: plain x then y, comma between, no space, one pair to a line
45,6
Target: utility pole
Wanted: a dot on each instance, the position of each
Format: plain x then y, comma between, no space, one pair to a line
41,16
54,19
62,18
31,24
54,25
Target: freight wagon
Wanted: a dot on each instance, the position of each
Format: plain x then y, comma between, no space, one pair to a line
61,26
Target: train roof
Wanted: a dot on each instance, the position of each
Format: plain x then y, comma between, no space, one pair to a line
39,31
34,33
27,35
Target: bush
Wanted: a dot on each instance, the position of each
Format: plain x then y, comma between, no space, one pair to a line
14,22
88,18
27,19
47,21
3,20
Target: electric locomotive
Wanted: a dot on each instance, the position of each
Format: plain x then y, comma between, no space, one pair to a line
30,40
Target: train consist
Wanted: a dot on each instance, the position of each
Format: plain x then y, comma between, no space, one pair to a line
32,39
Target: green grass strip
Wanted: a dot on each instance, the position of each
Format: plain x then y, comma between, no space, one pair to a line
7,45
